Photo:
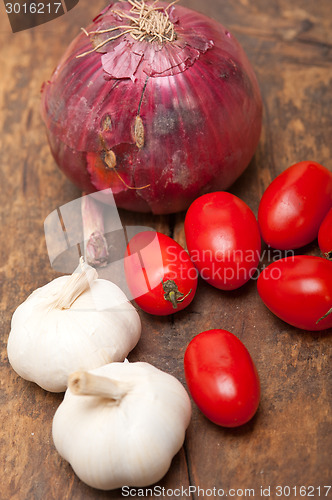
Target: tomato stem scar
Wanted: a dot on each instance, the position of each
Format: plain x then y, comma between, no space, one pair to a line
172,293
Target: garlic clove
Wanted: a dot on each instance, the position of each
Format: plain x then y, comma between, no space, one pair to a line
130,440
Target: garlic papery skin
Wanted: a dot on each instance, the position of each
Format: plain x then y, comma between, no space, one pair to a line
75,322
121,424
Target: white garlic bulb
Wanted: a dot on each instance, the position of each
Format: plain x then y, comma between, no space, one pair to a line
75,322
121,424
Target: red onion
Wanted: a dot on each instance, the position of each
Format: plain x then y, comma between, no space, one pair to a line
155,101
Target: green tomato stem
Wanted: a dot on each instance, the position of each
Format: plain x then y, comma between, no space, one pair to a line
172,293
325,316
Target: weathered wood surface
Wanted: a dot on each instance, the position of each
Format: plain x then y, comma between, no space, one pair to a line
288,442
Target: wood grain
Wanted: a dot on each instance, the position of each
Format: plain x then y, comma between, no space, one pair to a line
289,440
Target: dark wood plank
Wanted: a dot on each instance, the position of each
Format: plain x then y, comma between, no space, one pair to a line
288,441
282,445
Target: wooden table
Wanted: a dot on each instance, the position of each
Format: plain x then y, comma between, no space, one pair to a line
288,442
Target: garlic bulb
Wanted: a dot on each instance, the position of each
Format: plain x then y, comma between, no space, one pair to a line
121,424
75,322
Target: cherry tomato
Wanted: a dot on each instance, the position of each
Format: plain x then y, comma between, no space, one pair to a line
298,290
325,236
223,239
222,378
294,205
159,273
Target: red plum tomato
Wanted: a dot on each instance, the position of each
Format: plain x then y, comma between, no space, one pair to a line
298,290
159,273
222,378
223,239
325,236
293,206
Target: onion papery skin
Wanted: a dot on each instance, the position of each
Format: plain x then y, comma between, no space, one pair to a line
198,103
